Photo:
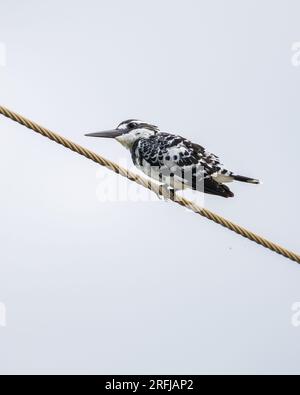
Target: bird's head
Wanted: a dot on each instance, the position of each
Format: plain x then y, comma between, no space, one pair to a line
128,132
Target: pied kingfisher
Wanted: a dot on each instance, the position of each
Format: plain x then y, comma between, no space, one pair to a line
173,160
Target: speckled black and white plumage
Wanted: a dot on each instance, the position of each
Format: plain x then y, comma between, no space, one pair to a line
174,160
177,160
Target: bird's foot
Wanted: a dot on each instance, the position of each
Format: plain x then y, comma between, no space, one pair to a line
166,193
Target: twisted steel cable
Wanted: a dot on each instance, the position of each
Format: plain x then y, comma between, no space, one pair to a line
149,185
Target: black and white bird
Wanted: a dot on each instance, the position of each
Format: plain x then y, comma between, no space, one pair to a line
173,160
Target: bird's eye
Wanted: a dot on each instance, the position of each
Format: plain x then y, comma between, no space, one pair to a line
131,125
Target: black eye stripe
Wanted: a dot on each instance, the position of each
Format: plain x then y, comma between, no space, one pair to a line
136,124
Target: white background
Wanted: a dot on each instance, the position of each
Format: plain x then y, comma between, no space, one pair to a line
133,287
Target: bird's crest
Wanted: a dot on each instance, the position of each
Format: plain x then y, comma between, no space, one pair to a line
131,124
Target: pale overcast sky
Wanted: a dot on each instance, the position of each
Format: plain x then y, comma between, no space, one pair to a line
132,287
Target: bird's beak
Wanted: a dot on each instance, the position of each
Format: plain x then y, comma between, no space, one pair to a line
109,134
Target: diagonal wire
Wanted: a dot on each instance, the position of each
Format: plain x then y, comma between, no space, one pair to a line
148,184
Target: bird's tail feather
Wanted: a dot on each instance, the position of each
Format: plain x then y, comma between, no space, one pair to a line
245,179
214,188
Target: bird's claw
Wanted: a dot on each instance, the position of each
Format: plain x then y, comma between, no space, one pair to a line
166,194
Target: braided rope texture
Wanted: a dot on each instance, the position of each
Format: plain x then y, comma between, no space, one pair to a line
149,185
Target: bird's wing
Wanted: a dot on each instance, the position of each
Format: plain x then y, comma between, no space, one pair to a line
175,154
180,163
